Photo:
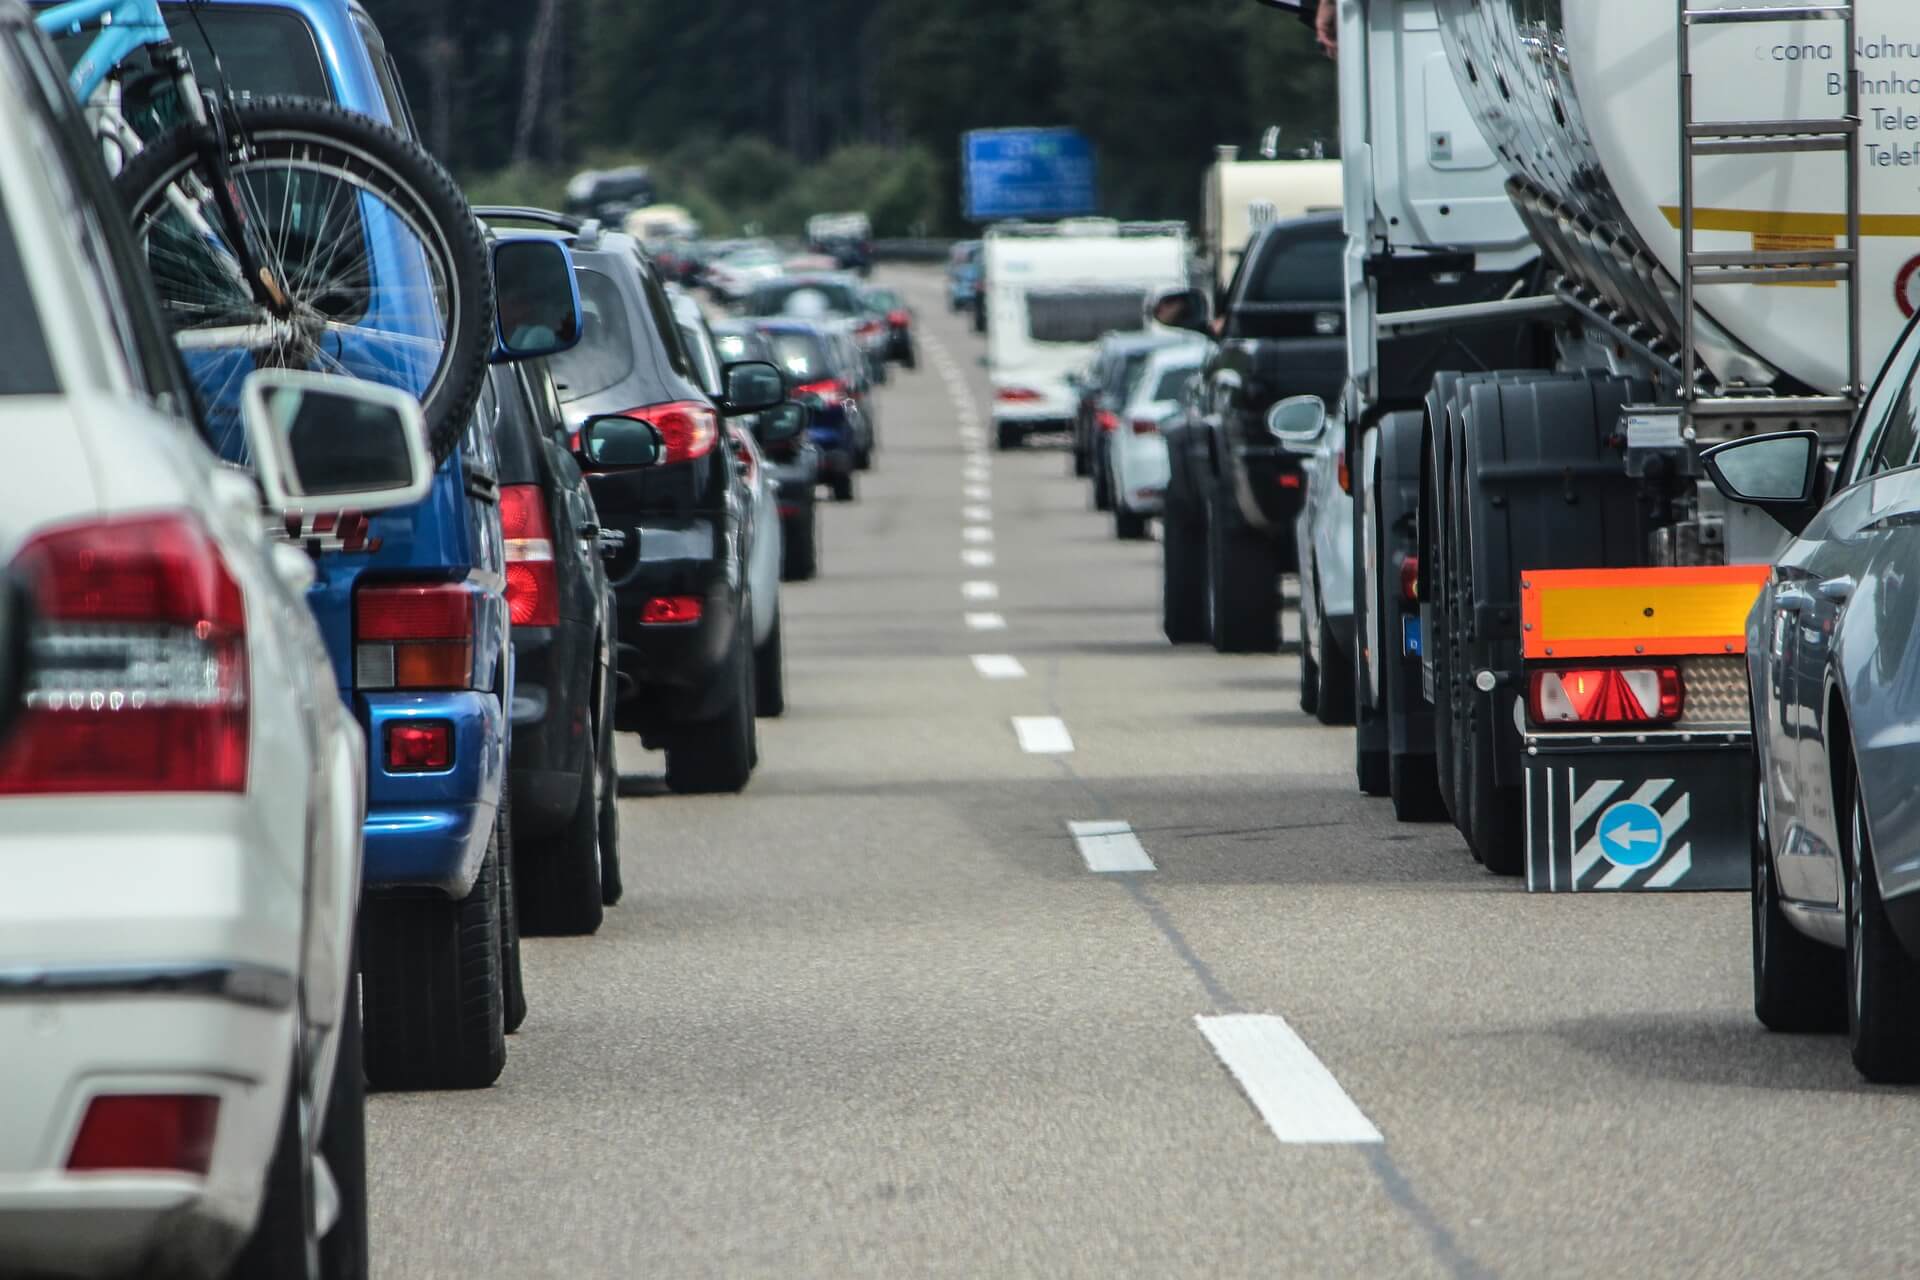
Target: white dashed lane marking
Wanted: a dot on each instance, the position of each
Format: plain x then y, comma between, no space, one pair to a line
1288,1085
977,533
981,514
1110,847
976,493
978,590
1042,735
977,558
985,622
999,666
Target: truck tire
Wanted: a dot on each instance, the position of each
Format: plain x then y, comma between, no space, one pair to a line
560,879
435,1012
716,756
1799,985
1336,680
1183,576
1433,567
1495,828
1243,582
1372,767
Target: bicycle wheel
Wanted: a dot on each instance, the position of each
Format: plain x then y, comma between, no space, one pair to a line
377,267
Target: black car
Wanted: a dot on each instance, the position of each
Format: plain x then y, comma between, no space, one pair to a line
795,462
887,306
678,522
826,368
561,767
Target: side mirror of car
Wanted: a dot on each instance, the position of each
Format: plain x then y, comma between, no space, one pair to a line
1297,423
326,443
1778,473
752,386
536,299
1180,308
615,442
16,630
784,422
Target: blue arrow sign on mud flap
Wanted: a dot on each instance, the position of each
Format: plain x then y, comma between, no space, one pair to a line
1631,834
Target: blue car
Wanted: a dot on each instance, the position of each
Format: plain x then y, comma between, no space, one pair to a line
412,605
820,364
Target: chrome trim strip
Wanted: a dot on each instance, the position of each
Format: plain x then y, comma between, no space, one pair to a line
255,986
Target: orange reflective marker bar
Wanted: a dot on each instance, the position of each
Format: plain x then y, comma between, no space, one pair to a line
1630,613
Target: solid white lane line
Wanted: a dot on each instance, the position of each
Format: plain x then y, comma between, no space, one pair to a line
1291,1088
999,666
977,492
985,622
977,558
977,533
978,590
1042,735
1110,847
982,514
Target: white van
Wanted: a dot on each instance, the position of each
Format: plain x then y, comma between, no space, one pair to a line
1051,290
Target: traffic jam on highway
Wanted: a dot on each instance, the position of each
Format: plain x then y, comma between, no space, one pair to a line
502,773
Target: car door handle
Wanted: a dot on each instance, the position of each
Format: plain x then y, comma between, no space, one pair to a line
1839,590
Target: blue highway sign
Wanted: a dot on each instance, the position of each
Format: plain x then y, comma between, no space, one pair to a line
1028,173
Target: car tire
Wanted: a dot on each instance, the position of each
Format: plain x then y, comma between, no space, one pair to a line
285,1240
863,458
611,889
1883,981
1130,526
561,880
716,756
910,359
1799,985
513,994
431,984
1006,435
1334,704
1082,462
1243,582
1183,578
1309,668
799,557
1102,479
343,1144
770,675
841,488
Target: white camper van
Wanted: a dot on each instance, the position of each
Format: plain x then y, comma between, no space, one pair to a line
1052,290
1242,196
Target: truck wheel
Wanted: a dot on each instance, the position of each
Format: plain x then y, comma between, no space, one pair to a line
770,675
1883,981
799,557
1799,985
1494,826
1435,638
1372,769
1006,435
1183,577
716,755
1335,703
513,994
560,880
1243,579
432,999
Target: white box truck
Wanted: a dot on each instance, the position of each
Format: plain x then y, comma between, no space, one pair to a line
1050,291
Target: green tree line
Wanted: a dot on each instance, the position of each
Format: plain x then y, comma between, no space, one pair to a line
760,111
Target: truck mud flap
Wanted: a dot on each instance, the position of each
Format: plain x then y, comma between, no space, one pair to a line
1636,819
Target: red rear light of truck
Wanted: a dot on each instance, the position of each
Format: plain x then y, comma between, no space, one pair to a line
533,580
413,636
140,648
1593,697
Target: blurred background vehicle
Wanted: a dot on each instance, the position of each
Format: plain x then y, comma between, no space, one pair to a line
845,237
886,306
791,456
734,275
834,294
1136,466
963,276
819,363
609,194
1099,393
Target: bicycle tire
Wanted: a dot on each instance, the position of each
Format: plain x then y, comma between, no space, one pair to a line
398,171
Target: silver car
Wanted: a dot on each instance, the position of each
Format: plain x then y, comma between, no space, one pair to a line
1834,666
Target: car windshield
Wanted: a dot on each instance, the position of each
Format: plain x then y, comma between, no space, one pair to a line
27,369
605,353
802,355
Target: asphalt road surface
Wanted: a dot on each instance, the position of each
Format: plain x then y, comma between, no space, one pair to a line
879,1016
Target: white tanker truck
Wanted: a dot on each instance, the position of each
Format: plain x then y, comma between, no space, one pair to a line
1588,239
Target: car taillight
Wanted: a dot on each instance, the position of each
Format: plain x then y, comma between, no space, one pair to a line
1341,474
899,319
670,611
1586,697
687,428
869,328
1106,420
829,391
163,1132
1015,395
1145,427
533,581
413,636
140,656
1410,578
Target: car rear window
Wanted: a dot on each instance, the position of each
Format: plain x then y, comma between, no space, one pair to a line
773,299
1083,315
801,355
605,353
1300,270
27,367
264,52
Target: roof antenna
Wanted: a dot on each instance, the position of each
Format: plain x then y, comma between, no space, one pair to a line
1270,142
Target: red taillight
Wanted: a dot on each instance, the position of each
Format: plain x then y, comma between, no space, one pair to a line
164,1132
829,391
687,428
869,328
1015,395
1106,420
1410,578
533,581
1586,697
1145,427
140,680
1341,474
419,746
1288,480
413,637
667,611
899,319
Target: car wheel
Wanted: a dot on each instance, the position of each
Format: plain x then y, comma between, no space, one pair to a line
343,1144
798,554
435,1016
842,488
910,359
286,1236
1798,984
1243,581
1335,676
1006,435
716,755
1883,981
770,674
1129,526
1183,578
513,995
863,458
1309,667
1082,461
610,887
561,880
1102,478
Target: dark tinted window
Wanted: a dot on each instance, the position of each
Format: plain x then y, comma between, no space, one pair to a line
514,433
1300,270
1173,383
27,369
802,356
264,51
605,353
1082,315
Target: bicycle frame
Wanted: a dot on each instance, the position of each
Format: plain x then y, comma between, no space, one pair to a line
124,26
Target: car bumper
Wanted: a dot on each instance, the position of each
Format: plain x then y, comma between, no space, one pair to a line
670,673
430,830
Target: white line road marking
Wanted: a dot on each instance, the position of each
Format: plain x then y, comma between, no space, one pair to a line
977,558
977,492
999,666
1291,1088
978,590
986,622
977,533
981,514
1042,735
1110,847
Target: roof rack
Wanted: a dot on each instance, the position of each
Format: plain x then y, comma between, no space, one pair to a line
526,213
1087,227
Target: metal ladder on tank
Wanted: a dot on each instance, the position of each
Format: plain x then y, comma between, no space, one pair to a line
1701,269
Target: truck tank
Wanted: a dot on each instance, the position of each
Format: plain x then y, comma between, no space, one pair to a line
1580,99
